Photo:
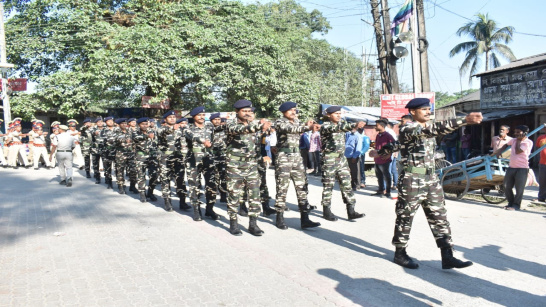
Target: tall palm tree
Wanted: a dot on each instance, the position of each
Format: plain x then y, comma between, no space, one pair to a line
488,39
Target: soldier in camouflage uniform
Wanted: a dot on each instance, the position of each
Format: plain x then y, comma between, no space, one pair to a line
219,151
200,161
108,150
86,139
262,171
131,159
181,153
96,147
334,163
143,138
242,168
419,184
124,154
290,164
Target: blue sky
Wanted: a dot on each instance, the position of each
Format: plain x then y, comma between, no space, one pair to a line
350,32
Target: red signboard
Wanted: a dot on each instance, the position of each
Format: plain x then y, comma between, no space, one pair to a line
17,85
164,104
393,106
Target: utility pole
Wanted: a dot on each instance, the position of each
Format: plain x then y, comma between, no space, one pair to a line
381,51
4,66
415,54
425,79
364,67
389,45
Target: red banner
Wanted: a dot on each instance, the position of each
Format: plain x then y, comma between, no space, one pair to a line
17,85
393,106
164,104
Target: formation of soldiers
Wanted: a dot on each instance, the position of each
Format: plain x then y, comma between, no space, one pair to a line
227,154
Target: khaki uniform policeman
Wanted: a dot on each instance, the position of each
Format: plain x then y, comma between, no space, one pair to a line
40,150
63,145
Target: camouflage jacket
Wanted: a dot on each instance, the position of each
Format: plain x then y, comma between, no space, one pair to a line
241,138
417,144
219,140
143,143
96,139
124,140
166,138
108,141
288,135
180,142
196,138
86,137
332,136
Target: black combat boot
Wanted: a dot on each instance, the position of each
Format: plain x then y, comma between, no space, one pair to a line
109,183
401,258
450,262
97,179
142,197
183,205
280,221
209,211
352,214
223,197
133,188
87,174
150,193
306,222
328,215
243,210
253,227
267,210
69,182
197,213
234,227
121,189
63,182
168,205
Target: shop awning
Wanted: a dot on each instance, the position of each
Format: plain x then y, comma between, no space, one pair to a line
499,114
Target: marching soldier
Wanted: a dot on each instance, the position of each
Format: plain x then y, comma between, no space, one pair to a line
132,124
290,164
108,153
167,158
334,164
181,153
86,143
40,150
242,168
143,139
124,155
96,147
219,151
200,161
419,184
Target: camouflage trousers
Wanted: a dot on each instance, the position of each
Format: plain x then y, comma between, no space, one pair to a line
425,190
289,166
171,166
108,158
125,162
220,165
95,157
242,174
262,171
205,166
335,167
86,153
143,163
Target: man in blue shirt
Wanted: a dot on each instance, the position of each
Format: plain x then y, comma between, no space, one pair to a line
353,145
364,149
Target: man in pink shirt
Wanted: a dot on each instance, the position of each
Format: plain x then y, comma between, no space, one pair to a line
501,139
516,175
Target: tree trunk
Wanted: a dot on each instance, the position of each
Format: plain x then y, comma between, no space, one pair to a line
486,60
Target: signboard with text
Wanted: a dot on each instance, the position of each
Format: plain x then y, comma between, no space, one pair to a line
17,85
146,103
393,106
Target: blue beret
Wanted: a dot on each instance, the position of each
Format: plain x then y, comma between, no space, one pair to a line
87,120
287,106
214,115
98,119
109,118
417,103
197,110
141,120
333,109
169,113
121,120
182,119
152,120
131,119
241,104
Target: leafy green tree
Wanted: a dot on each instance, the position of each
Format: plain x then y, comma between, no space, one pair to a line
487,39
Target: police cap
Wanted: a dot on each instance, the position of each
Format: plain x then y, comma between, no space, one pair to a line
214,115
169,113
131,119
108,118
287,106
333,109
87,120
417,103
98,119
141,120
241,104
197,110
182,119
121,120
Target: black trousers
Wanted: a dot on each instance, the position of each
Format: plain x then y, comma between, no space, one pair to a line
355,172
515,178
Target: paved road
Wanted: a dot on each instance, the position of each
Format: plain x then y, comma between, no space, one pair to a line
89,246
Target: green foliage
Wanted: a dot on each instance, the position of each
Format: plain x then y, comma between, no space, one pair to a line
89,55
443,98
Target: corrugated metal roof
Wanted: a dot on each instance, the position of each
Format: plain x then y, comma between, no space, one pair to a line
535,59
498,114
470,97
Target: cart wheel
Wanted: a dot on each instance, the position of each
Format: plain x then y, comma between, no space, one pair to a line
455,183
441,163
494,196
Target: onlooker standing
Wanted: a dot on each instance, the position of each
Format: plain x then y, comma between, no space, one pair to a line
392,168
500,140
516,175
451,144
541,169
315,146
382,163
353,144
304,150
365,147
465,143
